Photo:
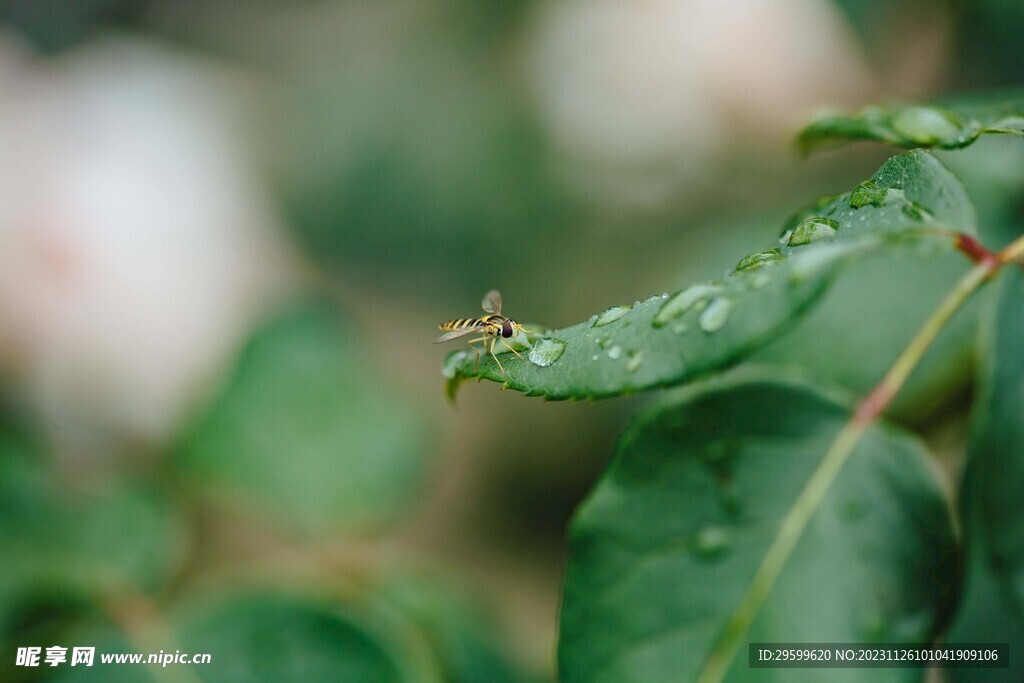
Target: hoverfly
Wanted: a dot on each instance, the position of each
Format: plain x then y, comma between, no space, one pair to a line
492,327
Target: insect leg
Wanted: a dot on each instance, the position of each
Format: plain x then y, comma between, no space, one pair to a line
471,342
509,347
495,356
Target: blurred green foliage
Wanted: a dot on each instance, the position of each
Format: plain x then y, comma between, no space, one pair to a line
305,430
301,439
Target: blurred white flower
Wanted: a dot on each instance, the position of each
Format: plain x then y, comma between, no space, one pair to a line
648,90
137,246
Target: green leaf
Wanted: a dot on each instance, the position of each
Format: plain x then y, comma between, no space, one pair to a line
265,636
669,340
996,444
990,610
911,126
108,638
399,155
993,174
665,546
59,540
68,547
462,635
985,614
869,315
306,433
268,635
911,191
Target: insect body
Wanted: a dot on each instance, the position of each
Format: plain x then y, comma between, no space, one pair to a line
491,327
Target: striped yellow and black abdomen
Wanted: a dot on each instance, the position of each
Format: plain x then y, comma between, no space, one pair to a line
461,324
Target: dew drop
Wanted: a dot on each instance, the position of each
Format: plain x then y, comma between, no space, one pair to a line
867,192
916,212
636,359
594,357
759,280
717,314
758,260
684,301
712,541
680,328
615,352
894,195
812,230
931,126
546,351
610,315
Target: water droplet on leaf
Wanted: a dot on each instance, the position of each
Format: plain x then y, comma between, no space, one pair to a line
933,126
868,192
680,328
812,230
916,212
615,352
610,315
758,259
712,541
717,314
636,359
546,351
759,280
684,301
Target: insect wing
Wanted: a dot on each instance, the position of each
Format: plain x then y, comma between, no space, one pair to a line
492,302
455,334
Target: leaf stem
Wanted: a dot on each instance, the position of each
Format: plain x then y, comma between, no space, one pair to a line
814,492
974,250
1012,253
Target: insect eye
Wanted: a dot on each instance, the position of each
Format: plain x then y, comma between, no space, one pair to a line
506,329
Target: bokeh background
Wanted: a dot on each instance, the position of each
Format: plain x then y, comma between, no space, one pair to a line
228,231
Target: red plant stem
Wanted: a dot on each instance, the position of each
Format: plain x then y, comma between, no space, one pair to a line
976,251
